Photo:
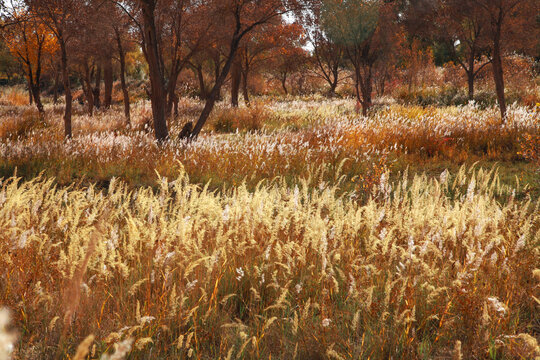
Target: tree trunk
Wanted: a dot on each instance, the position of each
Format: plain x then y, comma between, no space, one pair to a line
284,84
236,75
498,70
97,88
202,86
36,86
176,100
470,82
210,102
36,93
157,83
88,90
471,74
125,92
357,93
172,98
67,88
108,79
29,87
217,71
245,90
366,88
333,87
366,95
55,90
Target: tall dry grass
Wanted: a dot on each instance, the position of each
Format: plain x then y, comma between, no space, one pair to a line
427,268
13,96
296,136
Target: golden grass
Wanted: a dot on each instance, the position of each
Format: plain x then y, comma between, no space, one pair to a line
307,251
296,136
277,272
13,96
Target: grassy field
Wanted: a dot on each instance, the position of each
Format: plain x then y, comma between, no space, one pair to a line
290,229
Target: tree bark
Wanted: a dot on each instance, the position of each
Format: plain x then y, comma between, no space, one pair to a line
29,87
471,74
108,80
55,90
36,93
333,86
157,83
470,82
88,90
203,94
498,69
284,84
236,75
214,94
97,88
172,98
364,82
122,57
245,90
67,87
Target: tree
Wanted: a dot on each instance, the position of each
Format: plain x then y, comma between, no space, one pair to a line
275,44
415,59
285,62
168,30
239,18
508,20
121,36
8,64
457,28
89,40
60,16
463,30
328,57
366,30
29,40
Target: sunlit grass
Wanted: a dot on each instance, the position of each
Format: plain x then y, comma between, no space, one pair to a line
278,272
292,229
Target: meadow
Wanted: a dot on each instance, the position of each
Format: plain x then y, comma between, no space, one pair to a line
293,228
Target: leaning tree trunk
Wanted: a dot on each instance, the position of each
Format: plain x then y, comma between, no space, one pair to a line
108,80
214,94
36,93
157,83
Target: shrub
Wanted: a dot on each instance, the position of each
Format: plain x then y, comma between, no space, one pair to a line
530,148
14,96
251,118
21,125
